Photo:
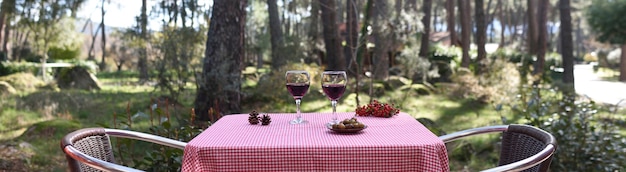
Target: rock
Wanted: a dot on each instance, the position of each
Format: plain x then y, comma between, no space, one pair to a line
6,88
394,82
77,78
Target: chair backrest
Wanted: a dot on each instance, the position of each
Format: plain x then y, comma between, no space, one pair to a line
91,141
522,141
523,147
90,149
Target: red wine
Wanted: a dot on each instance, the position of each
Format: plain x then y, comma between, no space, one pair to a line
334,91
297,90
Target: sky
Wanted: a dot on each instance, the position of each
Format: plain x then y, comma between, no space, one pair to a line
119,13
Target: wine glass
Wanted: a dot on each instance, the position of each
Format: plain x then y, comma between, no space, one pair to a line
297,84
334,84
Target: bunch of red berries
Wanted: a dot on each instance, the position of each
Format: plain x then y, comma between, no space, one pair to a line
377,109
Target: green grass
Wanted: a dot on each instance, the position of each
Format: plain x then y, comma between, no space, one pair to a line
45,138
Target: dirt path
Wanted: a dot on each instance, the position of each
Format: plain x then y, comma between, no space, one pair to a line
587,83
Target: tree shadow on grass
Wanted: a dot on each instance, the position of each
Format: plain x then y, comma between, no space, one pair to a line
467,107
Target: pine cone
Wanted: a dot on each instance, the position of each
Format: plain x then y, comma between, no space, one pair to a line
265,120
254,118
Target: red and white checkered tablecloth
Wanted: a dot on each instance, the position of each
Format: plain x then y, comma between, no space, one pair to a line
399,143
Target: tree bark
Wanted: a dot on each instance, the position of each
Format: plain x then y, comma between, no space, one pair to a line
451,21
531,15
353,33
219,86
332,41
502,24
567,44
104,38
481,35
579,46
424,47
464,9
90,53
142,63
276,34
542,38
314,34
2,19
380,60
7,33
363,38
7,8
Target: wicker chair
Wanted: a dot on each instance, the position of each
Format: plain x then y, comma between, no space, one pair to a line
524,147
90,149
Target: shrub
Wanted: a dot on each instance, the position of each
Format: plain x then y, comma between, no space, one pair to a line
590,58
63,53
157,157
500,80
8,68
585,143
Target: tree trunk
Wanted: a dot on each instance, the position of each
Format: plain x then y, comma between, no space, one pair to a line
502,24
622,64
332,41
567,43
542,38
353,33
424,47
512,22
435,17
481,35
7,33
314,35
219,86
90,53
104,39
464,9
142,64
362,50
579,37
380,60
489,17
451,21
2,19
7,10
276,33
531,15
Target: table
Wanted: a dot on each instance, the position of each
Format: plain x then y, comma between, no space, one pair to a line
399,143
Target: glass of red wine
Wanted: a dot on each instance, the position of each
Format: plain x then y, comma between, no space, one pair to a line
334,84
297,84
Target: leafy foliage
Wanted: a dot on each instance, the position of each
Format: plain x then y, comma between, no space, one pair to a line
178,51
585,142
158,157
605,18
8,68
494,86
63,53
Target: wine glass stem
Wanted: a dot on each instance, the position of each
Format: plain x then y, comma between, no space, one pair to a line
298,109
334,103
